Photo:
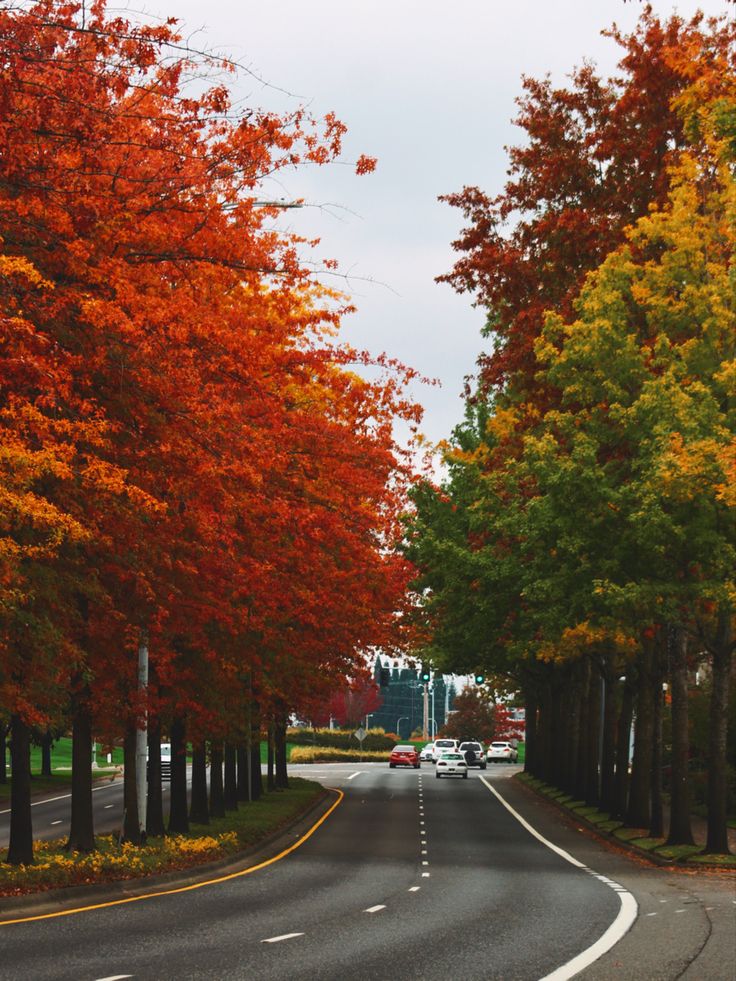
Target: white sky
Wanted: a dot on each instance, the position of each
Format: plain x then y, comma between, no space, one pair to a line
429,89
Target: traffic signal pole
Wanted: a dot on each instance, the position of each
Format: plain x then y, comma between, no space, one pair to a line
425,714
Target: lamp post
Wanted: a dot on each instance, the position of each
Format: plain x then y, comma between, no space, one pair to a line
398,722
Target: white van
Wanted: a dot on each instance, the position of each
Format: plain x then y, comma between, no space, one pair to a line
443,746
165,761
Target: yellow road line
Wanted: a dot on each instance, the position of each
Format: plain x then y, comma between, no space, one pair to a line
195,885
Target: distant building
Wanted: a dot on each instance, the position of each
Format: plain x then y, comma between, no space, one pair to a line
402,709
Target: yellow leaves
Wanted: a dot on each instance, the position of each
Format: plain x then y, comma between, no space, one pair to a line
584,638
21,270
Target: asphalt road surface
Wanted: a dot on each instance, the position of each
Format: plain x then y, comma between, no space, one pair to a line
409,878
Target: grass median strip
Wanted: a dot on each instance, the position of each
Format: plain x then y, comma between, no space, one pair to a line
252,823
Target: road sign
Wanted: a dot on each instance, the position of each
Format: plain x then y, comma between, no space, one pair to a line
360,734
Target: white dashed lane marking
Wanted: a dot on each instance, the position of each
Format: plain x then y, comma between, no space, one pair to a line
283,936
373,909
414,888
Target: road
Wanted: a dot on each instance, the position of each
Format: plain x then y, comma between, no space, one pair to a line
410,877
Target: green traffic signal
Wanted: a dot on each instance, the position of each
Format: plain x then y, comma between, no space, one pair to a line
426,674
479,679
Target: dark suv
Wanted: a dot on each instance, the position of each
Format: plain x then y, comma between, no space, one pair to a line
474,754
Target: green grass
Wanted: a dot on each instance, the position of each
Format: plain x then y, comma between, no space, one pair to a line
629,834
256,821
649,844
726,861
678,852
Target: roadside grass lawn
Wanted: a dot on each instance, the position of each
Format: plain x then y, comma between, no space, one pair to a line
638,837
248,826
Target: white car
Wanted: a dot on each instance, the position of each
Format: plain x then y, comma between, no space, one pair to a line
426,754
443,746
451,764
499,752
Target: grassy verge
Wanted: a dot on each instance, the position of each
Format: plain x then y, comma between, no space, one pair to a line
637,837
248,826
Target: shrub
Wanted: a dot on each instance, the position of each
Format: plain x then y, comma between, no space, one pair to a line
322,754
376,739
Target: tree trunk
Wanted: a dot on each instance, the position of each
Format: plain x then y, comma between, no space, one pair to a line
155,827
270,783
281,776
581,769
680,832
608,756
593,738
3,753
717,842
231,777
545,737
656,820
199,812
47,741
20,849
623,743
571,725
639,810
217,790
256,779
178,813
531,764
131,823
243,779
82,828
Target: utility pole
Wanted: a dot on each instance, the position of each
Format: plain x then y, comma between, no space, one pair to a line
141,735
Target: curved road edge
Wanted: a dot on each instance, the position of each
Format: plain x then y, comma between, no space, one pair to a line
625,919
67,902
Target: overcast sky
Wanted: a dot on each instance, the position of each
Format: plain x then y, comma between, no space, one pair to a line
429,89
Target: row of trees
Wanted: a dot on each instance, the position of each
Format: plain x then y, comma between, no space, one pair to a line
582,549
190,461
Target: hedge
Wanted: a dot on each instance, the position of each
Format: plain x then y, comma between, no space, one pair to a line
376,739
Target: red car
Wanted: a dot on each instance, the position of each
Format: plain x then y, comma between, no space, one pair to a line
404,756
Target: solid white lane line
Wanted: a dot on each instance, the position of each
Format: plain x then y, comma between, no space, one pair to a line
50,800
283,936
625,917
356,774
373,909
414,888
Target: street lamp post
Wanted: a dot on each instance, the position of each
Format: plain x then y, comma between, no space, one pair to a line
398,722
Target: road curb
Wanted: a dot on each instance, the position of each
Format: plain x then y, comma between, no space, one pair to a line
622,844
71,897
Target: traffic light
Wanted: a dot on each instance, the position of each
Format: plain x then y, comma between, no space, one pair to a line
426,673
479,678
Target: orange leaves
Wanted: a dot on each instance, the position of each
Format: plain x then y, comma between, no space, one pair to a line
188,444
